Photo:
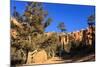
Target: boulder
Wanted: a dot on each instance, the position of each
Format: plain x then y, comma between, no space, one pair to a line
37,57
40,57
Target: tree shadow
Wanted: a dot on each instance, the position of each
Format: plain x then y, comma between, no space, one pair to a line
78,53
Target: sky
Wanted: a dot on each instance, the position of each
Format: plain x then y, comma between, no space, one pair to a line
73,16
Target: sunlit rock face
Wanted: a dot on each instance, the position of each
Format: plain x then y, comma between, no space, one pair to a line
37,57
91,35
15,22
81,37
13,33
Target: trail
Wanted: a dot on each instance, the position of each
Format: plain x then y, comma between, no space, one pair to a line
53,60
75,59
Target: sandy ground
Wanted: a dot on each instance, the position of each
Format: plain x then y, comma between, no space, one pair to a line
75,59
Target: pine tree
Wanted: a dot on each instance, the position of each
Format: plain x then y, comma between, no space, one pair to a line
34,21
61,26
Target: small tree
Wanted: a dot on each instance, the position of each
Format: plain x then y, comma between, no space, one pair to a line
61,26
91,20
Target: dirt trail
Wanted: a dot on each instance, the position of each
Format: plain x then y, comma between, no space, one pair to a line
56,60
70,60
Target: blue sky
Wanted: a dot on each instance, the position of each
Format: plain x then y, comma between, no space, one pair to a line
74,16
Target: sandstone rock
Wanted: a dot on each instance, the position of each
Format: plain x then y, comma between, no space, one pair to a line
40,57
37,57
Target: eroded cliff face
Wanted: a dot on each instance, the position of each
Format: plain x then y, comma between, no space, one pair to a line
86,34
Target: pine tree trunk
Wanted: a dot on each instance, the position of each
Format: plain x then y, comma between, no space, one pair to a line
26,56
